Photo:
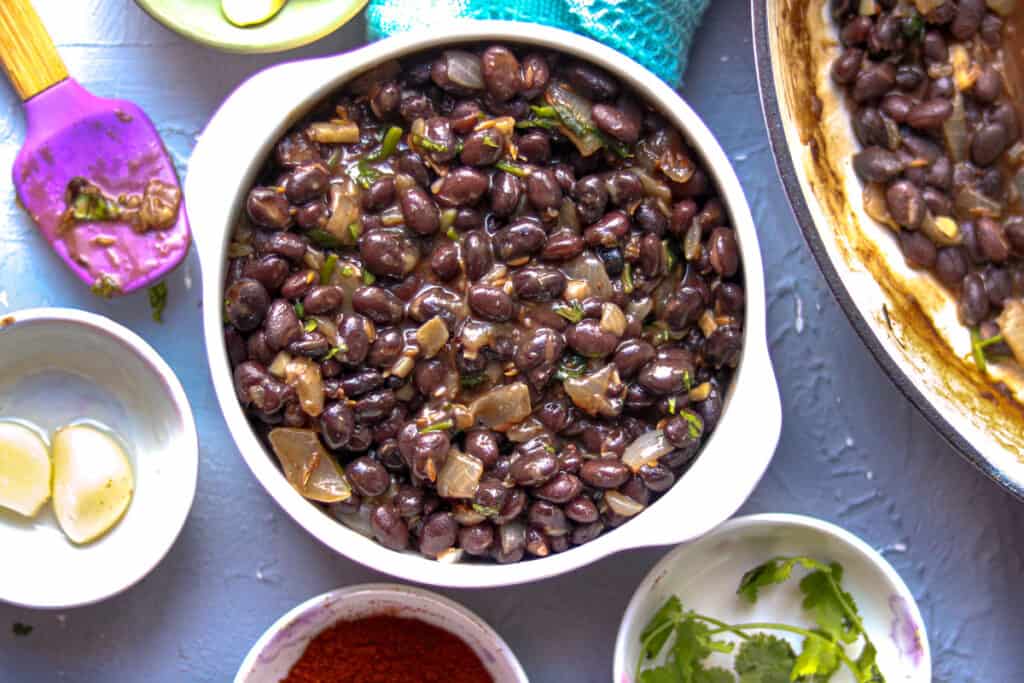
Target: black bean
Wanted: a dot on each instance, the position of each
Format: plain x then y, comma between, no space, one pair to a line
632,355
306,182
974,303
501,73
477,539
505,192
930,114
609,230
380,195
969,14
847,65
649,218
520,239
281,325
604,473
563,245
388,253
389,528
951,266
482,444
723,252
367,476
619,124
561,489
270,271
874,80
989,85
909,77
385,98
477,253
588,339
375,406
918,250
420,213
490,303
438,534
534,469
877,165
246,303
256,387
535,147
378,304
323,299
549,518
286,244
536,73
623,187
336,424
991,30
935,48
542,189
988,143
992,240
592,82
656,477
294,149
462,186
855,31
538,283
482,147
670,372
268,208
444,261
905,204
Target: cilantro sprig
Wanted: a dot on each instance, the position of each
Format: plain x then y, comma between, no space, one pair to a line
683,638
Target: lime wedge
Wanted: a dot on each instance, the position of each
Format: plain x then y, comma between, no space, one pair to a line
92,481
24,469
244,13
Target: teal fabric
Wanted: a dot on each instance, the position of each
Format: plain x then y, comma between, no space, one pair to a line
656,33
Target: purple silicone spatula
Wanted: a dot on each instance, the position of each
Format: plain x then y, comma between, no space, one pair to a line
112,144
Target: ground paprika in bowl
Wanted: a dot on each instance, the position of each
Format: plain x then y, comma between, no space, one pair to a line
380,633
387,649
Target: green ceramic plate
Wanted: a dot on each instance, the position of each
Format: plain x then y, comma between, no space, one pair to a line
298,23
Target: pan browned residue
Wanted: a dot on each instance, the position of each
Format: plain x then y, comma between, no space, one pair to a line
804,48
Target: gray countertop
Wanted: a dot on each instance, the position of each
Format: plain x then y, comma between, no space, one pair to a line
853,450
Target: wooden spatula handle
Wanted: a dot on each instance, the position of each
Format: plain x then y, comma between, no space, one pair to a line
26,50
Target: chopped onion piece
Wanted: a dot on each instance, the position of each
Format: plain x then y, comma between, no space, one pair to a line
955,130
432,336
512,535
1001,7
467,516
307,466
621,504
591,392
926,6
503,407
326,327
612,319
1011,325
646,449
303,374
334,131
279,365
971,200
464,69
358,521
459,476
526,430
876,206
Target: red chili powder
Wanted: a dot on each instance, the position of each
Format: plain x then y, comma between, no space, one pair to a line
387,649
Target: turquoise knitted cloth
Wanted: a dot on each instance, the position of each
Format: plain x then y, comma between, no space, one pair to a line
656,33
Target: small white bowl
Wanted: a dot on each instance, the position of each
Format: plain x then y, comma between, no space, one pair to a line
107,373
280,647
231,151
704,575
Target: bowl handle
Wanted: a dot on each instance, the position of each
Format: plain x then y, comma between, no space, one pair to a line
735,458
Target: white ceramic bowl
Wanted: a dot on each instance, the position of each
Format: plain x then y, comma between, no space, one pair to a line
234,146
705,575
107,373
280,647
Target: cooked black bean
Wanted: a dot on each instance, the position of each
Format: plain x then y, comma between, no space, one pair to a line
481,183
388,254
874,80
246,303
969,14
268,208
974,303
989,142
918,250
930,113
877,165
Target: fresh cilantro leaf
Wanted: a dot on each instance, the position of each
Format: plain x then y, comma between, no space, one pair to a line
657,631
764,659
715,675
661,674
158,300
868,671
825,604
692,646
771,572
818,660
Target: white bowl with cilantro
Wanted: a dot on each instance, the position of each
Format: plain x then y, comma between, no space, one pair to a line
768,599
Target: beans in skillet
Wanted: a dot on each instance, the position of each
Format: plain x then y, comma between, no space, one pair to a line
484,304
936,107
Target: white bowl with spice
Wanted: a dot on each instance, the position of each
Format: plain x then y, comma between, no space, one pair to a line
752,575
112,430
272,657
256,115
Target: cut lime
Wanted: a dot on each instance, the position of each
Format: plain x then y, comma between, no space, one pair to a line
92,481
244,13
24,469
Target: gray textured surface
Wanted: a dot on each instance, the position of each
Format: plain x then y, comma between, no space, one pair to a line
853,451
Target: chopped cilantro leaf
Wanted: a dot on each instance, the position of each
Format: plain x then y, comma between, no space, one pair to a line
158,300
